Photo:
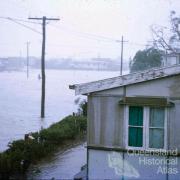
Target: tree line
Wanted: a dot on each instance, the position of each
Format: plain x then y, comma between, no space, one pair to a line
165,40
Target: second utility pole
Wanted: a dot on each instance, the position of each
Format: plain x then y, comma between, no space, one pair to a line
121,68
121,63
43,61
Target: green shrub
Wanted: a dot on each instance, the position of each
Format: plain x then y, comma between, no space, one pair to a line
21,153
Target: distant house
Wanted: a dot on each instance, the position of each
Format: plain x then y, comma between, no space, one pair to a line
171,59
134,125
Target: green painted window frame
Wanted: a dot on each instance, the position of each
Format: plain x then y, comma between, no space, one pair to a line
135,126
146,128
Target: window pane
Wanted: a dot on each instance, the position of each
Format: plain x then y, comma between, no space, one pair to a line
136,116
135,137
156,138
157,117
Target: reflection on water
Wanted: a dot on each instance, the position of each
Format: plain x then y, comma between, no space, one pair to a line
62,166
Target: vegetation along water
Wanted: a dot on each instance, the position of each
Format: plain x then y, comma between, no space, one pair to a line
15,161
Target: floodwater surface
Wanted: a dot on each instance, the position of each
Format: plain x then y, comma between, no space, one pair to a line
20,100
63,165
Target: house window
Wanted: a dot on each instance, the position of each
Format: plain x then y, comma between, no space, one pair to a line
135,126
156,127
146,127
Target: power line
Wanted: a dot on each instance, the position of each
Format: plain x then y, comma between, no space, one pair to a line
15,21
81,34
86,35
25,21
137,44
95,36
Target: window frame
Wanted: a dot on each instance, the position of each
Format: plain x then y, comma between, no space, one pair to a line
146,120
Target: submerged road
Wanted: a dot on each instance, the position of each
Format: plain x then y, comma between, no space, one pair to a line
63,165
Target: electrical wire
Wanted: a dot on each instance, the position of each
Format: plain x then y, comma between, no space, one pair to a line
97,37
16,21
27,21
81,34
85,34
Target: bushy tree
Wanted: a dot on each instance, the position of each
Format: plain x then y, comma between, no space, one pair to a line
168,38
146,59
82,106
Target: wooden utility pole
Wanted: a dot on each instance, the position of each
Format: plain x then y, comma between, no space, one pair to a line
43,19
121,68
121,63
27,59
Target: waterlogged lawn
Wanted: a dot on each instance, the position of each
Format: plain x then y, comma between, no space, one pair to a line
21,153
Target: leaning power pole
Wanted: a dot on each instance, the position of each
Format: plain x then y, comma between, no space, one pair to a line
43,76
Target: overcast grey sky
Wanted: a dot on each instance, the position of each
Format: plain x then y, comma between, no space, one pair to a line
88,28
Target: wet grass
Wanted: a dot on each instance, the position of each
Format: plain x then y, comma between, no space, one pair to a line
21,153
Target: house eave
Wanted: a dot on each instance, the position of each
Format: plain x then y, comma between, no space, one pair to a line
124,80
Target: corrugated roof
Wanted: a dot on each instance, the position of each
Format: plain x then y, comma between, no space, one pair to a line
128,79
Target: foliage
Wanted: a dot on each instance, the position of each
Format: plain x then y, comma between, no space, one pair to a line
167,38
146,59
83,108
65,129
21,153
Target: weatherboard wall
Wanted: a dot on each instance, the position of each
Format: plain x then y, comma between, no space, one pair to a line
106,122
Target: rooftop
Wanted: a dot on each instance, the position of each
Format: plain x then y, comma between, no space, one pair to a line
128,79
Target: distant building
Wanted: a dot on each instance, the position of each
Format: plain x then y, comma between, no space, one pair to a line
99,64
171,59
134,125
11,63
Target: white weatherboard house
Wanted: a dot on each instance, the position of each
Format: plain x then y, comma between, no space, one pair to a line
134,125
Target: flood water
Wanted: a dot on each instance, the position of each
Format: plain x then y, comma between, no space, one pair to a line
20,100
63,165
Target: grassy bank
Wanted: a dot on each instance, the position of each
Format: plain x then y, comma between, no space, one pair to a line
21,153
